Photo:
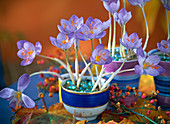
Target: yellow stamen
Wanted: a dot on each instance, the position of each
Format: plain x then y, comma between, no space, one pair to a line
97,58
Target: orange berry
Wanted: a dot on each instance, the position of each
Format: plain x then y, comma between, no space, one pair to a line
50,95
41,95
61,67
38,62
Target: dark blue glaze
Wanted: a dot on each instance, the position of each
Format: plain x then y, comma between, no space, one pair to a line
84,100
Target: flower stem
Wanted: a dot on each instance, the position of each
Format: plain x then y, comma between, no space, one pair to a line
122,49
69,69
105,74
113,75
167,23
47,72
110,34
76,64
42,99
98,79
114,39
100,41
92,44
55,59
97,74
147,30
82,73
90,72
124,3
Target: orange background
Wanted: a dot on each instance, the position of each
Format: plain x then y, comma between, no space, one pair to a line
36,20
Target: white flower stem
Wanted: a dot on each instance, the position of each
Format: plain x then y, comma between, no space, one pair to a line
114,39
124,3
122,49
98,79
167,23
147,29
105,74
113,75
47,72
76,64
55,59
90,72
100,41
69,69
97,74
110,34
82,73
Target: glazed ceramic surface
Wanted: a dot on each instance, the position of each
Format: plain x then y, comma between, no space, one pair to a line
162,83
85,105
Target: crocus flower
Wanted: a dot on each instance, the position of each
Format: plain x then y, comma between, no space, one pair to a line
164,46
62,41
122,17
111,5
139,3
71,26
17,98
166,4
100,55
149,65
131,42
27,51
93,29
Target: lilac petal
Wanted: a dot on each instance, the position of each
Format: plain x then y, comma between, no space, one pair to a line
90,36
122,43
106,24
27,101
141,60
85,29
70,29
64,23
67,45
138,70
107,6
29,46
151,71
20,54
60,37
25,62
92,59
89,20
60,28
23,82
102,34
108,60
98,29
81,37
167,6
20,44
73,18
79,23
7,93
53,41
97,49
114,6
96,21
153,59
160,69
127,17
38,48
140,52
13,103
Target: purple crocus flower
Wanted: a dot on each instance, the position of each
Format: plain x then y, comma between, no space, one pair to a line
111,5
17,98
166,4
131,42
93,29
62,41
139,3
122,17
27,51
164,46
71,27
100,55
149,65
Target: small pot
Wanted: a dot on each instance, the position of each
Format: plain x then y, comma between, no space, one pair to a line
85,106
124,79
162,84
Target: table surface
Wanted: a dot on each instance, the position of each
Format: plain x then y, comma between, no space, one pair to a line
32,92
